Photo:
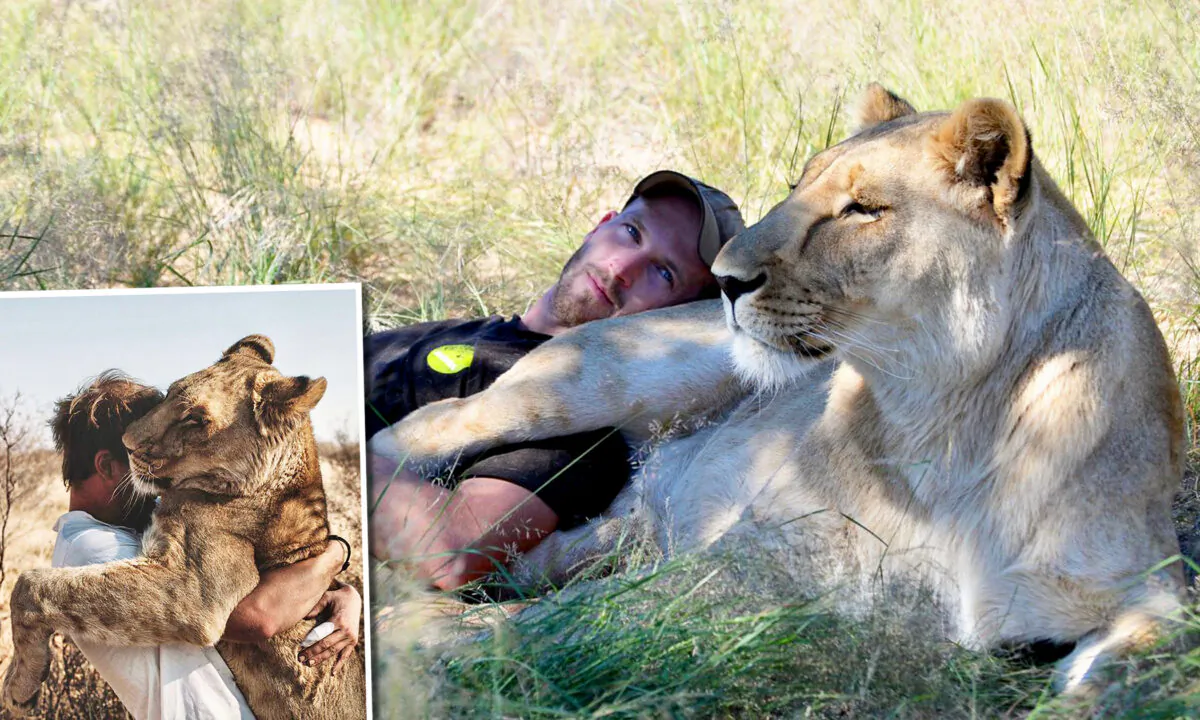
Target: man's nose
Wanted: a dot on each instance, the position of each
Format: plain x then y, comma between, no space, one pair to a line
624,268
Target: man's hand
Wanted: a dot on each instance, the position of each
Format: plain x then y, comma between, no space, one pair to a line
344,609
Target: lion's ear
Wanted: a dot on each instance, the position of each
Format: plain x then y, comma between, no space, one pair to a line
258,347
985,146
879,105
278,400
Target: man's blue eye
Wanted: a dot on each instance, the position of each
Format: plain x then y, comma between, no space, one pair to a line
666,274
633,233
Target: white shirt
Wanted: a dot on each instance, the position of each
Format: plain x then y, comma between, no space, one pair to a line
167,682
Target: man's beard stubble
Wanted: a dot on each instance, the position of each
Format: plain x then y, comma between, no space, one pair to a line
569,310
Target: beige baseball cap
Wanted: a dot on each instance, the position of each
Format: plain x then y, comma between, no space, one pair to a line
722,219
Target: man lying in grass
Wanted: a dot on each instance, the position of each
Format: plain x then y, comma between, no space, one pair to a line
654,253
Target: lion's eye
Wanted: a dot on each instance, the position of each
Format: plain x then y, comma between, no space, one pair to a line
857,208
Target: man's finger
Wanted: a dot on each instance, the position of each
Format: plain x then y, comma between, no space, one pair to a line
326,642
319,652
329,653
316,650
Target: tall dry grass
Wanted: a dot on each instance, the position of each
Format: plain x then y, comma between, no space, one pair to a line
451,154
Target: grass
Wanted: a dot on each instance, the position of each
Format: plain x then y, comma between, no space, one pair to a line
688,639
729,638
450,156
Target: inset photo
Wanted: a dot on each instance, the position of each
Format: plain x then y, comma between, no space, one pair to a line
181,504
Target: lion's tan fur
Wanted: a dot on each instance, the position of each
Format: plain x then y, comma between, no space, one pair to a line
955,385
232,452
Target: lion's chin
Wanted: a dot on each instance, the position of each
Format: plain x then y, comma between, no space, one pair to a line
143,485
768,367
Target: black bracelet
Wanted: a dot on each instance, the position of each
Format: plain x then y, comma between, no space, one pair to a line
345,542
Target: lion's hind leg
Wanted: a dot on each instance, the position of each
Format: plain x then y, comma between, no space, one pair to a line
566,554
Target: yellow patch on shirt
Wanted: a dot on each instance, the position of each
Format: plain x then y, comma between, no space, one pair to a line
450,359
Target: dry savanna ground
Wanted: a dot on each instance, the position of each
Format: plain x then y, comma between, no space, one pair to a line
450,155
74,689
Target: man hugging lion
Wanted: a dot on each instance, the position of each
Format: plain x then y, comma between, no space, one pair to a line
105,522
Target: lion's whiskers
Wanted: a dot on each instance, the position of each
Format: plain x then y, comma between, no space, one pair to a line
845,346
851,335
127,503
853,315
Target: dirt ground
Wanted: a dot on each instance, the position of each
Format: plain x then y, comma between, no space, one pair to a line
74,689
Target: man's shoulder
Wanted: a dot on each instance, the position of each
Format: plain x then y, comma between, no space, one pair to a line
389,346
460,326
84,540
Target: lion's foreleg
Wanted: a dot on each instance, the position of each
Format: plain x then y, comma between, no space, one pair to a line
31,654
633,373
132,602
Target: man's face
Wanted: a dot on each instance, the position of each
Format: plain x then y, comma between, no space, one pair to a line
643,258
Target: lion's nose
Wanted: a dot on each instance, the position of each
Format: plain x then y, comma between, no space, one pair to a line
736,287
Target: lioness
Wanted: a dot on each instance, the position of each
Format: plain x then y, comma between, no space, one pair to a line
231,451
968,392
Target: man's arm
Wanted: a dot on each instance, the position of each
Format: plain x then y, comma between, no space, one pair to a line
452,537
283,597
507,502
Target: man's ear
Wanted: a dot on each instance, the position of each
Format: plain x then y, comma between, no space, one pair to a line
106,466
985,149
281,399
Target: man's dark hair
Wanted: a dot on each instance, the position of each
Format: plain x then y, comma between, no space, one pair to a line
95,418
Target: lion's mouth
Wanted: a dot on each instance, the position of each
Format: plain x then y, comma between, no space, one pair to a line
808,347
145,476
802,340
801,344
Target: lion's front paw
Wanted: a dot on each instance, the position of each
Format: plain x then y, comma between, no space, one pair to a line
391,445
419,443
429,441
22,687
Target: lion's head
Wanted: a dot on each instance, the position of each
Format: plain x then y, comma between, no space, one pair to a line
894,249
221,429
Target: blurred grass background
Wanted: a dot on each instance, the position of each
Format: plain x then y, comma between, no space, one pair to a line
451,155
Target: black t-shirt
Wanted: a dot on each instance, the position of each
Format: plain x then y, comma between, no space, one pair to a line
576,475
